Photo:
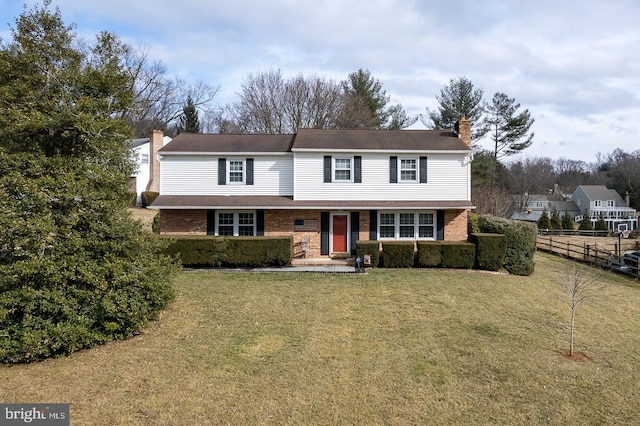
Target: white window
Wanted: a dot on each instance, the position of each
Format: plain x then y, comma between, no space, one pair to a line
408,225
611,203
342,169
597,203
145,158
235,170
408,170
236,223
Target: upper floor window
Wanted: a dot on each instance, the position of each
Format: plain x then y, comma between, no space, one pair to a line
408,169
236,171
342,169
145,158
611,203
597,203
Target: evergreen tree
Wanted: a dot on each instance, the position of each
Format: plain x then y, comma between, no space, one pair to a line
555,222
189,121
567,222
509,130
75,269
601,224
585,223
458,99
544,221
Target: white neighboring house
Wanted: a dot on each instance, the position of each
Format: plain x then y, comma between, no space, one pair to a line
325,188
142,148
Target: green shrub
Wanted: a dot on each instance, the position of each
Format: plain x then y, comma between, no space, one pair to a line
148,197
370,247
254,252
237,252
155,225
458,254
197,250
396,254
446,254
429,254
521,242
490,250
133,199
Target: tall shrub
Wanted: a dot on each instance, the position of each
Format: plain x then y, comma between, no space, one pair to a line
521,242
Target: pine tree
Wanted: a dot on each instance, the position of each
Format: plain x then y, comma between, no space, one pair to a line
555,222
544,222
189,121
601,224
585,223
75,269
567,222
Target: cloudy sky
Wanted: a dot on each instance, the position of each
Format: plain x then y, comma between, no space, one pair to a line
574,64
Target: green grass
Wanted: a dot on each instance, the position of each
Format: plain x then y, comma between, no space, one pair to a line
388,347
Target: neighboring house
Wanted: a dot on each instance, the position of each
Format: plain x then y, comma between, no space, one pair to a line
326,188
597,199
142,151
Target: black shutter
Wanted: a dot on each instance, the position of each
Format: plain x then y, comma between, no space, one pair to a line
355,230
357,169
260,222
373,225
249,179
393,169
324,233
211,222
423,169
440,224
222,171
327,168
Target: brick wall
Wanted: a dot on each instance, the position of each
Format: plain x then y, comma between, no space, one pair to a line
455,225
192,222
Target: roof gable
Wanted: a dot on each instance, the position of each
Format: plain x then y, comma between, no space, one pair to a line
601,192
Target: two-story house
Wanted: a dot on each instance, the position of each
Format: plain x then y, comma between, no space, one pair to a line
598,199
326,188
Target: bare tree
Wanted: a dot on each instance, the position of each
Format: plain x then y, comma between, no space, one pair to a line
159,98
494,201
580,285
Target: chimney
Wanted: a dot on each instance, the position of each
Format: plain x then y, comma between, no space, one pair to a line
463,129
155,143
626,198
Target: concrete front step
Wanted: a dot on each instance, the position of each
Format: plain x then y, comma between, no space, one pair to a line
324,261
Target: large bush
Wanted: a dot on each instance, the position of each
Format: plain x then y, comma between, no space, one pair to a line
398,254
75,269
490,250
521,242
446,254
369,247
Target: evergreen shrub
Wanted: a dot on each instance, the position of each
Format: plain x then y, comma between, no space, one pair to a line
521,242
370,247
490,250
398,254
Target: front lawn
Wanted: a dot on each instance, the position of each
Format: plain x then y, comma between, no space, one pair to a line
388,347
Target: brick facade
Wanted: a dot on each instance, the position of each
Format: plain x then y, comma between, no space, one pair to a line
283,223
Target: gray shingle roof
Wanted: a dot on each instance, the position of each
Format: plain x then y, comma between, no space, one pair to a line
396,140
601,192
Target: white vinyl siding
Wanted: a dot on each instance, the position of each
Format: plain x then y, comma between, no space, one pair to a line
448,179
198,175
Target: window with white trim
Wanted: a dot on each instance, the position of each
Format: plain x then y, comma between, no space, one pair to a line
145,159
407,225
235,170
408,170
236,223
597,203
342,169
611,203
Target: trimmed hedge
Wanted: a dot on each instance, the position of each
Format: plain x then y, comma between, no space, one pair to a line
254,252
369,247
446,254
521,242
239,252
397,254
490,250
197,250
148,197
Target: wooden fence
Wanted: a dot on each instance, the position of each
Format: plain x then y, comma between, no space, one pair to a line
605,255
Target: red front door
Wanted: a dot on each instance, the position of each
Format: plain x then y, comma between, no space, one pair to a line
340,233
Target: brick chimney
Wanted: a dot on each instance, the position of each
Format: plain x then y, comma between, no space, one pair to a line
155,143
463,129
